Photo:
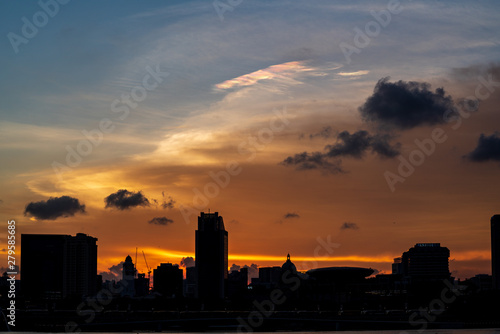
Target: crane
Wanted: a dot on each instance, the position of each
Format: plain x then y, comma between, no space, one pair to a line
147,266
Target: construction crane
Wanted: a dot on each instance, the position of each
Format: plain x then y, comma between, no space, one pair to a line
147,266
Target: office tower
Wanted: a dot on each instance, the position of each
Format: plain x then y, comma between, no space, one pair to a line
237,284
190,284
167,280
397,266
141,285
55,266
128,276
426,261
495,250
211,256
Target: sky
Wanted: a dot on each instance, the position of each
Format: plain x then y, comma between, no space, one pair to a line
340,132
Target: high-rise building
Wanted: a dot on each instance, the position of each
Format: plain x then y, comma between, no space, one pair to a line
397,266
128,276
495,250
426,261
168,279
211,256
55,266
190,283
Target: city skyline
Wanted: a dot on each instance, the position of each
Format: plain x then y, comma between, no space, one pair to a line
341,133
429,260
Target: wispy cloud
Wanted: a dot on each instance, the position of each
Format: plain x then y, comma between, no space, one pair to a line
352,74
286,71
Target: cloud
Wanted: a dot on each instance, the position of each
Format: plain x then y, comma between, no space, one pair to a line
353,145
405,105
381,146
187,262
353,74
235,267
54,207
314,160
348,145
114,273
161,221
326,132
287,72
488,148
349,226
169,204
124,199
289,215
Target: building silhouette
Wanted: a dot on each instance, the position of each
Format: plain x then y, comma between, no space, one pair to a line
495,250
128,276
168,280
426,261
55,266
141,285
190,283
211,257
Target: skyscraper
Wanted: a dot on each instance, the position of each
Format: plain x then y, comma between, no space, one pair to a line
211,256
128,276
426,261
55,266
167,280
495,250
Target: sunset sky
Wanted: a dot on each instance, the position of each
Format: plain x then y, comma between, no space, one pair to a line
341,132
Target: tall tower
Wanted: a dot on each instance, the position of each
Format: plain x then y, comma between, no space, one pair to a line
211,256
55,266
128,275
495,250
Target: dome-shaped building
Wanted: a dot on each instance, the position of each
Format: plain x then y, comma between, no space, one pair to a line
288,266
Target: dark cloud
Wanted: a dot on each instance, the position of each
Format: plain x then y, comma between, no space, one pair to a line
124,199
187,262
235,267
349,226
326,132
114,273
54,208
314,160
161,221
168,204
353,145
488,148
289,215
405,105
381,146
